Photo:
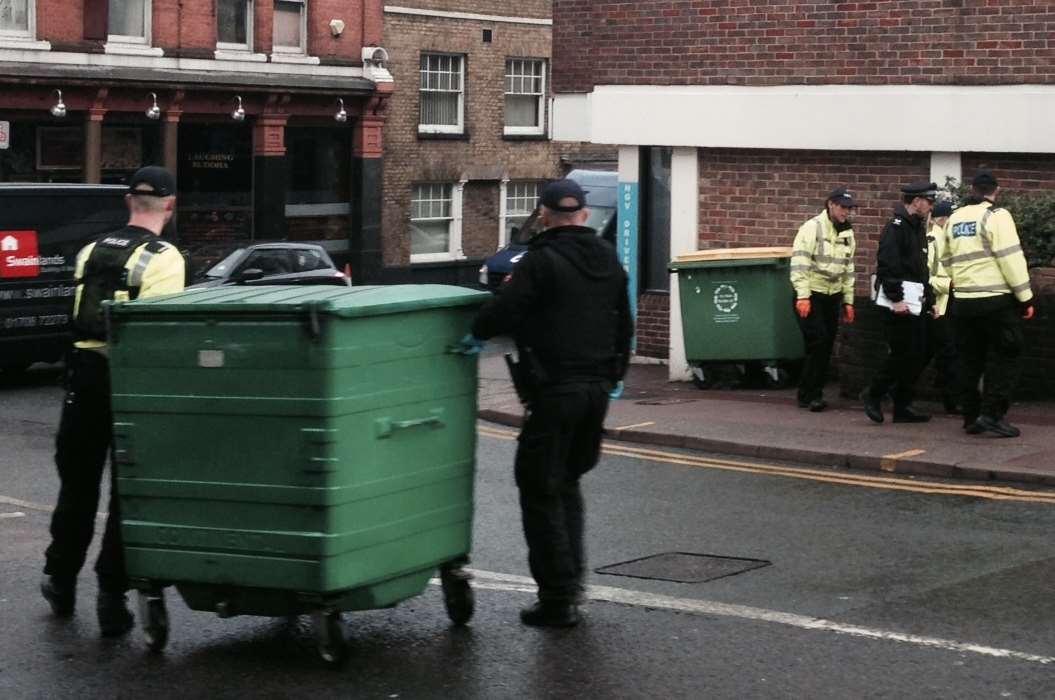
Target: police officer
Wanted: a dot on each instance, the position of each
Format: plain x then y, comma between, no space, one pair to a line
941,346
991,297
566,307
822,273
902,259
126,264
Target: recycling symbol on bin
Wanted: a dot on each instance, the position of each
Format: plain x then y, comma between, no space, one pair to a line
725,298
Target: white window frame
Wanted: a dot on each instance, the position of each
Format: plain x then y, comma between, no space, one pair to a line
510,72
30,32
247,47
458,128
454,249
136,45
290,51
505,213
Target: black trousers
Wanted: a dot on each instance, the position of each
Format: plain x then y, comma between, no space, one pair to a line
941,347
560,442
83,443
906,337
819,331
989,339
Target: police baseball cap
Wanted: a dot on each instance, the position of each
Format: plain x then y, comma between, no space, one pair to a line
942,207
842,196
985,180
920,188
152,181
555,192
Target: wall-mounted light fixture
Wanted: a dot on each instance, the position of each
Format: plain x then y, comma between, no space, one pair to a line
58,109
239,113
153,111
342,116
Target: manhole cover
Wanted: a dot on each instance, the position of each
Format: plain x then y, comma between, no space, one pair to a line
683,567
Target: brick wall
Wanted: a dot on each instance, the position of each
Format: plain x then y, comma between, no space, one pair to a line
653,325
190,25
786,42
484,156
539,9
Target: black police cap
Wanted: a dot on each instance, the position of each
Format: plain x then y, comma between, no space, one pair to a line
942,207
152,181
920,188
555,192
843,196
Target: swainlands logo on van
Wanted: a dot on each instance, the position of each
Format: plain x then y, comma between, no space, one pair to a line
19,256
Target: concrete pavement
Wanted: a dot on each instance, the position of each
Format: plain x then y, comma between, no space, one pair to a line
768,424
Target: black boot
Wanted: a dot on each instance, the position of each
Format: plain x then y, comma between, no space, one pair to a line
997,425
114,616
60,593
550,615
909,415
873,406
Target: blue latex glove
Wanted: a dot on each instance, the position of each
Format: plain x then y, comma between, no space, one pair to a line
617,392
470,345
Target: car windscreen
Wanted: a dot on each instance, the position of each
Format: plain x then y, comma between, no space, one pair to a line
223,268
599,218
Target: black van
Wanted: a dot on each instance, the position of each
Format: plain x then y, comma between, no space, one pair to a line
41,229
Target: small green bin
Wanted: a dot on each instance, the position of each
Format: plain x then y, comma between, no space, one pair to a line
736,305
284,450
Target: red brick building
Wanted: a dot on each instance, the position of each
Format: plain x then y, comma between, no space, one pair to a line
269,111
736,119
468,138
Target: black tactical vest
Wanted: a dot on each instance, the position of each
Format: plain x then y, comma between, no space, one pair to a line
105,275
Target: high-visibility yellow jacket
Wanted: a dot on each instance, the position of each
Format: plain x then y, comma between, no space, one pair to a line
939,277
154,272
983,255
823,259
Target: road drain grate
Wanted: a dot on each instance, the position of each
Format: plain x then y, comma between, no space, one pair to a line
683,567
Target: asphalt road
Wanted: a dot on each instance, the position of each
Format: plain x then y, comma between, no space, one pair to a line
932,590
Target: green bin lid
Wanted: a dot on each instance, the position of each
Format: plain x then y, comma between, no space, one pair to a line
337,301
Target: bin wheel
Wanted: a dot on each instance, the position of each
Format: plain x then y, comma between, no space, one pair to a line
702,379
458,595
329,637
155,620
777,377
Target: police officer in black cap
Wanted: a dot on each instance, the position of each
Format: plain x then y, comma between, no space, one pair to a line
901,273
122,265
566,307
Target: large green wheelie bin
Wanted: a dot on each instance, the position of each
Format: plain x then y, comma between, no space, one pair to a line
737,306
294,450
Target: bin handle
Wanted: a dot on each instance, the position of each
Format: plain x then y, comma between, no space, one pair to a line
386,426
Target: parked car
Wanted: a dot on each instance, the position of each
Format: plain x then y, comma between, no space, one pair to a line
42,227
273,263
601,188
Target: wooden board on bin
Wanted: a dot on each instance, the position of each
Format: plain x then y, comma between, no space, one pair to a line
734,254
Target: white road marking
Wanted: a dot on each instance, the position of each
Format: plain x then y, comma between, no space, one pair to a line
12,516
636,425
29,505
488,580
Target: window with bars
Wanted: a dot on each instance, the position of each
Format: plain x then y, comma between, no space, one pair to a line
290,26
525,95
431,221
128,21
442,94
234,25
16,18
521,199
